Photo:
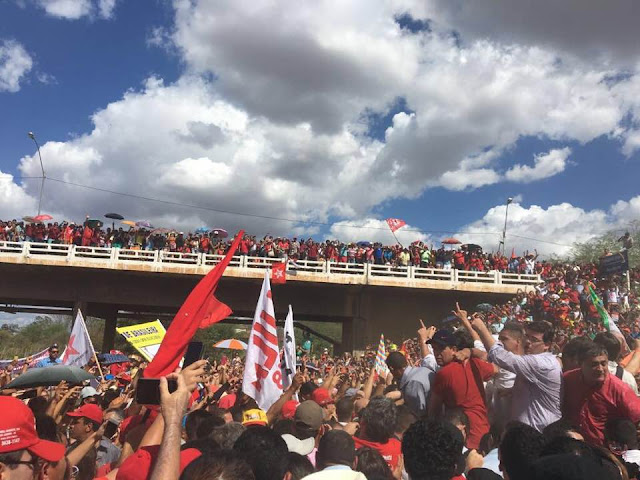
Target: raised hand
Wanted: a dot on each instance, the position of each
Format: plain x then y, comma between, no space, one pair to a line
461,314
425,334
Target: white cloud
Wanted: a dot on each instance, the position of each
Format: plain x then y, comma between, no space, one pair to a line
545,165
551,230
281,130
15,63
14,200
462,179
375,230
75,9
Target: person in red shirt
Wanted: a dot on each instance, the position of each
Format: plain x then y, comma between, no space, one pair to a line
591,396
377,427
460,384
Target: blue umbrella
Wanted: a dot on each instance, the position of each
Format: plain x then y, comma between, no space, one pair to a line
202,230
364,243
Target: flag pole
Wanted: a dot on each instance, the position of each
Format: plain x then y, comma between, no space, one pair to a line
394,236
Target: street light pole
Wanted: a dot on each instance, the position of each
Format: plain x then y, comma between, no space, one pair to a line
504,231
33,137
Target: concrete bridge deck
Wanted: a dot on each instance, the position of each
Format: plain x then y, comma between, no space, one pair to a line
365,299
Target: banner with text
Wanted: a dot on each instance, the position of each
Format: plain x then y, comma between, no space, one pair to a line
145,337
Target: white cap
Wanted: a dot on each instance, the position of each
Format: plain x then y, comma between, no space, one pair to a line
87,392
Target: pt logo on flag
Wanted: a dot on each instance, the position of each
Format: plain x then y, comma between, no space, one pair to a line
395,224
279,273
262,378
79,349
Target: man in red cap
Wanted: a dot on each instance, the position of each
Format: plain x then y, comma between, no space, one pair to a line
24,456
323,398
84,422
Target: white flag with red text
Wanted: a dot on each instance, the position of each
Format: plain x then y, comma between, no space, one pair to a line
79,349
262,379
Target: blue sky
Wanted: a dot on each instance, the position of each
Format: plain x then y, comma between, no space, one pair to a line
339,114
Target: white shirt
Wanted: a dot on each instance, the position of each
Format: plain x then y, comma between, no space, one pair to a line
626,376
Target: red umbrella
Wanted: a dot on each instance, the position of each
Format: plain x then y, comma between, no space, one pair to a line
451,241
43,218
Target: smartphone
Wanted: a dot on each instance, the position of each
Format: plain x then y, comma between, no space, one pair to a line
193,353
148,390
111,429
29,394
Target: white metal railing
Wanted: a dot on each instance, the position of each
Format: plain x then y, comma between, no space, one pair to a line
309,267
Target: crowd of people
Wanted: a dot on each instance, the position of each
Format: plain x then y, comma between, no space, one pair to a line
91,234
541,387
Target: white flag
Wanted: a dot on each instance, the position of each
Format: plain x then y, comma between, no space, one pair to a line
262,379
79,349
289,351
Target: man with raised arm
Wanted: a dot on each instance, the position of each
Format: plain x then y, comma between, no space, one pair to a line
536,390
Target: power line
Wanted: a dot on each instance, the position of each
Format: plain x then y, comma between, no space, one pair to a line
253,215
267,217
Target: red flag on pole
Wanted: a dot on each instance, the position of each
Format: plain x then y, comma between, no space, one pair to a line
199,310
279,273
395,224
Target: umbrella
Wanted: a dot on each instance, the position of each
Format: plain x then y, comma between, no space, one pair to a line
144,224
202,230
219,232
109,358
94,223
451,241
364,243
50,376
29,219
472,247
114,216
43,218
231,344
129,222
484,307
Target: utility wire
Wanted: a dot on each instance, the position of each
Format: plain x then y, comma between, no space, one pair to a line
267,217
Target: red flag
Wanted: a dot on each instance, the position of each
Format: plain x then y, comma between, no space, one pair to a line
395,224
513,253
279,273
199,310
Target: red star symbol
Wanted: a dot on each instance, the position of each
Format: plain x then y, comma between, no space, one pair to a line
70,350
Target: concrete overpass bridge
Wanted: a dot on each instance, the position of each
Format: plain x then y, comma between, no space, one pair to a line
366,299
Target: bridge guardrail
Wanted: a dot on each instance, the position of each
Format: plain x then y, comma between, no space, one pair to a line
308,267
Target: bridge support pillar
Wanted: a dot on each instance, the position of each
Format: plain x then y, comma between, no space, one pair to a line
81,306
110,323
347,343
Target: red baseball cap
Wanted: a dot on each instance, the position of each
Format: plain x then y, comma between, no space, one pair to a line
289,409
139,465
322,397
89,410
227,401
18,432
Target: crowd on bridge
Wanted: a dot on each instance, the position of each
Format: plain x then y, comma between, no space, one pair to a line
544,386
90,234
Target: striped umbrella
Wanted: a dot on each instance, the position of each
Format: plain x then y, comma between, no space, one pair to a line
231,344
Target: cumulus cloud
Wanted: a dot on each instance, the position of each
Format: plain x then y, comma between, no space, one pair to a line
75,9
551,230
15,63
15,202
545,165
271,116
596,31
